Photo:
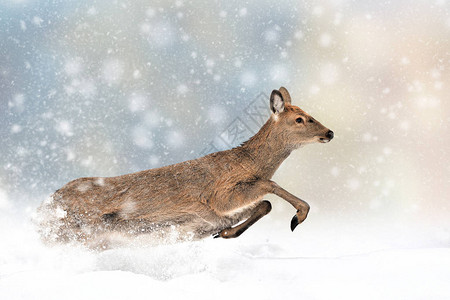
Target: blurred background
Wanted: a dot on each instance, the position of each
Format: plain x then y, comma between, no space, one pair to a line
104,88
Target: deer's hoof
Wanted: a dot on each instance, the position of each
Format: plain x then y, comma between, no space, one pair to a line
294,222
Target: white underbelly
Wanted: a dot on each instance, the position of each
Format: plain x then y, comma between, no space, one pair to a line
241,210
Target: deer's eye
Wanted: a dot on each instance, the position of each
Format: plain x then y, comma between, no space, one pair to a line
299,120
311,121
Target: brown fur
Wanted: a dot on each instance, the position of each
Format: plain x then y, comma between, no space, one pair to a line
204,196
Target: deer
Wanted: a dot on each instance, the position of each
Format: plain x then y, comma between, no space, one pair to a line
219,195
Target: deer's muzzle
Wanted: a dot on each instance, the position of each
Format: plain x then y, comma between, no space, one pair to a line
328,137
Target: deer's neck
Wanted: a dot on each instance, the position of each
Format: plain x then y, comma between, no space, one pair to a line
266,151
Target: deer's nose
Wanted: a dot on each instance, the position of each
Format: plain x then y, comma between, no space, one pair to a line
330,134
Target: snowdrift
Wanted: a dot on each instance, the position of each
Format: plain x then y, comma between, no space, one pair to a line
318,261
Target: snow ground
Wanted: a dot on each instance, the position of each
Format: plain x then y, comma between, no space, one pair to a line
268,262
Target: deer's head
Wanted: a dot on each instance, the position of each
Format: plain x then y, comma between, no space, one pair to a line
294,125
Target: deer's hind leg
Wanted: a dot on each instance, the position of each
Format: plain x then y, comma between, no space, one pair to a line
257,213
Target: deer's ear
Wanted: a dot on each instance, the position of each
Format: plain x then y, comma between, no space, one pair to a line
276,102
286,96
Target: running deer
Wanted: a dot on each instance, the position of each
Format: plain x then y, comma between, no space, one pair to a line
202,197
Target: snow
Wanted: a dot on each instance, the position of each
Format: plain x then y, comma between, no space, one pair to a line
137,103
268,261
142,137
217,114
18,102
64,127
15,128
175,139
182,89
73,66
248,78
150,12
109,88
243,12
325,40
159,34
329,73
113,70
271,36
4,203
279,73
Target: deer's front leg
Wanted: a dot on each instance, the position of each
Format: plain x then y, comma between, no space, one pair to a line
301,206
259,211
